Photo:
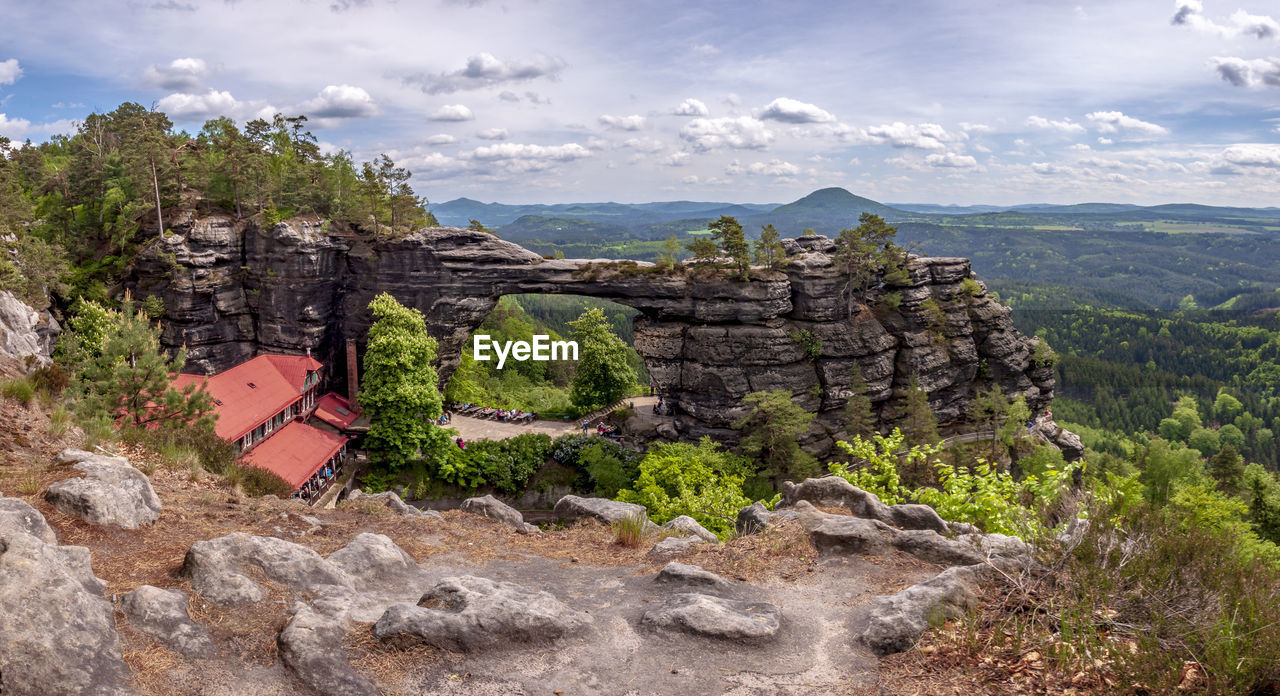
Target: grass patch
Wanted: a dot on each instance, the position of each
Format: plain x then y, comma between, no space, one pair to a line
629,531
21,389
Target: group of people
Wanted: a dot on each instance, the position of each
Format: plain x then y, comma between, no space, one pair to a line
513,415
603,429
662,408
316,485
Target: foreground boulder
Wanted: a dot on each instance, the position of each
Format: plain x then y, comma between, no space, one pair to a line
393,503
715,617
162,614
687,575
845,535
674,546
572,507
111,493
686,525
894,623
833,491
17,516
752,519
57,633
311,647
494,509
217,568
478,613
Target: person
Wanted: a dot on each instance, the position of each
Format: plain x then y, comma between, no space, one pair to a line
585,425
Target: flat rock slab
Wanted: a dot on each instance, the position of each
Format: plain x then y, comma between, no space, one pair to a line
57,634
311,647
687,575
163,615
572,507
833,491
715,617
894,623
674,546
217,568
112,493
494,509
17,516
686,525
477,613
845,535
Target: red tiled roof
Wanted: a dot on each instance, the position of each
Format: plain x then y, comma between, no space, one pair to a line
295,452
277,381
336,411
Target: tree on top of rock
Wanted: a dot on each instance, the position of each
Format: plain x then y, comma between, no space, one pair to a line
399,387
864,251
768,250
733,243
603,375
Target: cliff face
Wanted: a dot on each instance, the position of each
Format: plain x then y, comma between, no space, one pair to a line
232,290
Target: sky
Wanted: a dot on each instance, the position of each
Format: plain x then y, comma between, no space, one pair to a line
548,101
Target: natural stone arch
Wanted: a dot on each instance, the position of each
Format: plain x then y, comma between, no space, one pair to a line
232,290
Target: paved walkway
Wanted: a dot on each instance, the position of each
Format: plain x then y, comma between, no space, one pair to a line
482,429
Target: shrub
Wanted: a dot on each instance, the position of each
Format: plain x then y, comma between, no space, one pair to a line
21,389
971,287
506,465
702,481
611,468
809,342
629,531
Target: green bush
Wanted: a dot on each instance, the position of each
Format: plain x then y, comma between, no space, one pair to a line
702,481
506,465
21,389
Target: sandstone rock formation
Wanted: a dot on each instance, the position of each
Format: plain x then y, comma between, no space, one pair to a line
715,617
572,507
111,493
491,507
894,623
26,334
162,614
393,503
311,647
685,524
231,289
833,491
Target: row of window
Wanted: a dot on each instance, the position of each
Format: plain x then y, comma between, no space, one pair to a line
303,405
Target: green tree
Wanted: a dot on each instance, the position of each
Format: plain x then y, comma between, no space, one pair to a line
989,410
128,379
919,425
864,251
733,243
1173,430
860,419
1226,407
1163,465
1227,468
1205,441
399,387
772,435
702,481
768,250
670,248
703,249
604,375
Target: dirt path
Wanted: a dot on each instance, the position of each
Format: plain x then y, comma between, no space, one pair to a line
482,429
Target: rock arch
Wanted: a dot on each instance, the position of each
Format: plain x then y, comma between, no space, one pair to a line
232,290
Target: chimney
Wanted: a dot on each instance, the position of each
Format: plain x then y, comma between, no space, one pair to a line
353,375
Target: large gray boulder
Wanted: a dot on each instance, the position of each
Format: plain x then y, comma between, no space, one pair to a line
218,568
112,493
311,647
692,576
393,503
686,525
715,617
57,633
478,613
25,333
494,509
752,519
674,546
572,507
894,623
163,615
845,535
17,516
833,491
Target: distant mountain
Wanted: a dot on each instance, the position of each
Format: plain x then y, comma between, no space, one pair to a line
826,211
542,228
935,209
460,211
1081,208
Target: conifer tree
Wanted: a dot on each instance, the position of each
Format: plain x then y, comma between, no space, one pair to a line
918,422
773,431
1227,468
768,250
733,243
860,420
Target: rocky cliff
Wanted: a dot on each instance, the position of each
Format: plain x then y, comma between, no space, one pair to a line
232,290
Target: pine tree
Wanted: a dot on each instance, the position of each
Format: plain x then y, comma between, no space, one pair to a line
772,435
703,249
769,251
860,420
399,387
670,247
733,243
1227,468
918,422
604,375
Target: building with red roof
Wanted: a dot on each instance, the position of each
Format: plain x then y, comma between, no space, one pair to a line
336,410
262,405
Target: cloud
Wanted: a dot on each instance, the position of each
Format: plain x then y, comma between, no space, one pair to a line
677,159
1116,122
201,106
1064,126
1080,147
645,145
1248,73
10,71
1105,141
692,107
520,158
1190,13
508,96
975,127
493,134
625,123
339,102
924,136
740,133
441,139
1265,155
704,49
793,111
452,112
774,167
951,160
180,75
485,70
16,129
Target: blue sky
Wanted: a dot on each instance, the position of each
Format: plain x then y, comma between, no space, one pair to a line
546,101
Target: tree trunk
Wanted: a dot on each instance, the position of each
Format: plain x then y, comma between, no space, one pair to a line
155,182
235,189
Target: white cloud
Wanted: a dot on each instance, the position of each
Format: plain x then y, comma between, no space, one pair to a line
1190,13
771,168
485,70
520,158
452,112
1064,126
740,133
975,127
1105,141
732,99
645,145
16,129
1248,73
201,106
705,49
1116,122
493,134
626,123
677,159
441,139
1080,147
792,111
339,102
181,74
692,107
10,71
1253,155
924,136
952,160
691,179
